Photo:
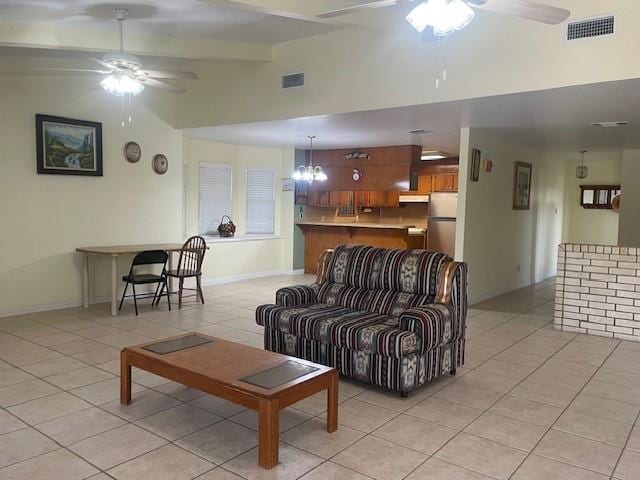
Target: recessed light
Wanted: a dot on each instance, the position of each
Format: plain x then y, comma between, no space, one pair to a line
620,123
420,131
432,155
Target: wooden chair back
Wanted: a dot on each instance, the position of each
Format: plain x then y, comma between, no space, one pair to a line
192,255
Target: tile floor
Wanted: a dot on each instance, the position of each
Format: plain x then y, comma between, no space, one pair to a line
530,403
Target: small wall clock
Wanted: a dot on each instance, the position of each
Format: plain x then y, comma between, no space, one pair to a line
356,175
132,152
160,164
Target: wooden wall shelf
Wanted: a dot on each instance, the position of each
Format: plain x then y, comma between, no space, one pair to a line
598,196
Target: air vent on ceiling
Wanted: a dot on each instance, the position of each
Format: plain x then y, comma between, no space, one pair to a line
591,27
293,80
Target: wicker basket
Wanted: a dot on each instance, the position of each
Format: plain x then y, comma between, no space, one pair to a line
226,228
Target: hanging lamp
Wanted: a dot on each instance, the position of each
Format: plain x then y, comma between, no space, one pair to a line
310,173
582,171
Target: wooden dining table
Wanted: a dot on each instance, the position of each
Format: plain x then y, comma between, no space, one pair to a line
114,252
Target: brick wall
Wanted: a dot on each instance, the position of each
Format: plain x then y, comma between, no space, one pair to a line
598,291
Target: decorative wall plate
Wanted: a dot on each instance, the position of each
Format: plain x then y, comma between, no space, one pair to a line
356,175
132,152
160,164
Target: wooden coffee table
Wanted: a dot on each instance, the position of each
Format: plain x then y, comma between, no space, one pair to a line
257,379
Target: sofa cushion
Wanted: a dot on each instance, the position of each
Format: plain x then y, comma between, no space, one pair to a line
368,332
409,271
354,266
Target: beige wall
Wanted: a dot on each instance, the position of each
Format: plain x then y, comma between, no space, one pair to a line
45,217
367,68
229,259
505,248
583,225
629,228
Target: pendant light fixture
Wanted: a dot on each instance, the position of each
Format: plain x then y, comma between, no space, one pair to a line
582,171
310,173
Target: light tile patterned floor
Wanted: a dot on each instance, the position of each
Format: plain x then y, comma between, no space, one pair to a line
529,404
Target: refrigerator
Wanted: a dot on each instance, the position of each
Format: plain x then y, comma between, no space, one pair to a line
441,223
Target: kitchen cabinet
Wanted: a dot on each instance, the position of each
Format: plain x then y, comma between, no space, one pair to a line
446,182
357,199
425,184
393,199
377,199
362,199
318,198
340,198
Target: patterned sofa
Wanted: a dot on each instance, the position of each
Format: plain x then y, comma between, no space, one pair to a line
394,318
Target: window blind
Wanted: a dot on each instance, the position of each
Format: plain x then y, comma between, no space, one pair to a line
215,196
261,201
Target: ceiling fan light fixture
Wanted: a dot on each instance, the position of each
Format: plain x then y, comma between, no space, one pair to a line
121,84
445,16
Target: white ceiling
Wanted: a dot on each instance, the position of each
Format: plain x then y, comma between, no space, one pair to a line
556,118
177,18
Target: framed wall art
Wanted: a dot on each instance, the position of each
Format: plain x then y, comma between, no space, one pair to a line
475,164
66,146
522,186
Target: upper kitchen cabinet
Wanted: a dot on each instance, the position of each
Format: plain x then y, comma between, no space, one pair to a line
446,182
425,184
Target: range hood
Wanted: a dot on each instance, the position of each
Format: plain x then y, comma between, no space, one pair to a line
414,198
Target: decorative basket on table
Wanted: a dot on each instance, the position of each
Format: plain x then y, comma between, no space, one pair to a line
226,228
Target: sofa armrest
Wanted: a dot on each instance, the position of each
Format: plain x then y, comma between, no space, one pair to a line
432,323
297,295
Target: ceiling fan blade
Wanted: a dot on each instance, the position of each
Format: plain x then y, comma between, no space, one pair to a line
525,9
62,71
150,82
108,66
355,8
168,74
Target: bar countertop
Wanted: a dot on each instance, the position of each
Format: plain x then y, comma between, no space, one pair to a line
387,226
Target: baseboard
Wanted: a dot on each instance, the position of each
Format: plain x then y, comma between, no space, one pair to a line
502,291
44,307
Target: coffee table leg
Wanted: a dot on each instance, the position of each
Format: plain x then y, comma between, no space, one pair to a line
268,433
332,403
125,379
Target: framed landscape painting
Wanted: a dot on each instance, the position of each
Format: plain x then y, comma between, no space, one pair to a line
522,186
68,147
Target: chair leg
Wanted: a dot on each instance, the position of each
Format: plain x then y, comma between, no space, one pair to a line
135,300
200,289
123,294
168,296
157,300
155,295
180,293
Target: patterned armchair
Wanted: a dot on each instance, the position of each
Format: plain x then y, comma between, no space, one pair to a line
394,318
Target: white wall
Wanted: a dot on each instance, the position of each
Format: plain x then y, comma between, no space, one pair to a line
505,248
359,69
629,231
583,225
233,259
45,217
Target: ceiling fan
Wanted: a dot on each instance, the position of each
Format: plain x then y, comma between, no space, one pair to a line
438,18
125,75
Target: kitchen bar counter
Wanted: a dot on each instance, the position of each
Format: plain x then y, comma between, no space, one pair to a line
318,236
387,226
